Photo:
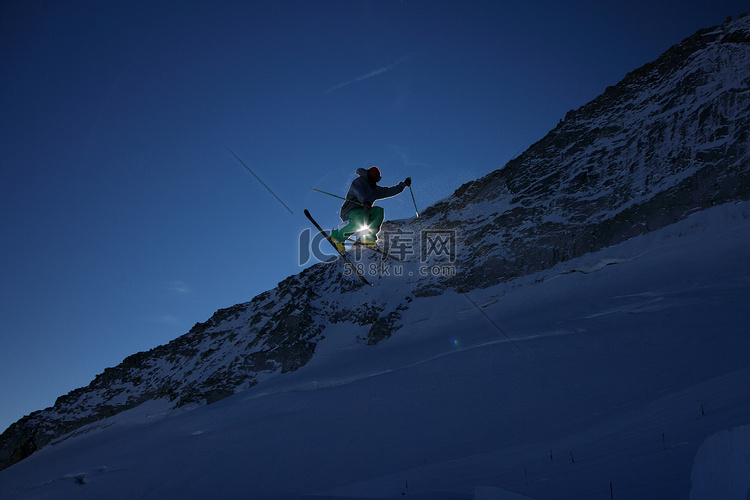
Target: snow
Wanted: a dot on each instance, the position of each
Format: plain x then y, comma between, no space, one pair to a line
722,465
620,374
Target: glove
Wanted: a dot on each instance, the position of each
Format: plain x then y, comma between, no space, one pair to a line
408,181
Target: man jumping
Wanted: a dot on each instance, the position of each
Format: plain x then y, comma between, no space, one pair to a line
358,210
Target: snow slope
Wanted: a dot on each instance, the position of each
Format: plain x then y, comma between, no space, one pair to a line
615,375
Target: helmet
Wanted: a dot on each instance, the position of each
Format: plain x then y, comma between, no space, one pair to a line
373,174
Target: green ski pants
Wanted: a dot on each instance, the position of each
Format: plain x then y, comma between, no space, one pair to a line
358,218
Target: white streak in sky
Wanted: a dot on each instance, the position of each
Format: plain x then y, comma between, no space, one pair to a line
169,320
377,72
179,287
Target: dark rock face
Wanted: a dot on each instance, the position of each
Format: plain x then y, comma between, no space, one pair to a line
671,138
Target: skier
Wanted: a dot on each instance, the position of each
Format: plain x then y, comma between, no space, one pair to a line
358,210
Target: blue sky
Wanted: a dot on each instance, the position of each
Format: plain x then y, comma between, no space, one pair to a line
125,220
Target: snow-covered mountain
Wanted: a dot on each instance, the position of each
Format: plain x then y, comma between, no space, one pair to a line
627,377
670,140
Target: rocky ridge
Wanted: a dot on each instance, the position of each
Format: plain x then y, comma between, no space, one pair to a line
671,138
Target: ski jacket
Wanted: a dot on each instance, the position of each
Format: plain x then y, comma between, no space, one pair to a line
361,191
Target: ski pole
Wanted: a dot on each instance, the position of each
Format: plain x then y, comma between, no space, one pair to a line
337,196
415,208
259,179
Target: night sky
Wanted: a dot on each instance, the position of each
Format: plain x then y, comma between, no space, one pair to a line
125,219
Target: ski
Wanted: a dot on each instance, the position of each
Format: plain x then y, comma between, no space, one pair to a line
342,254
382,252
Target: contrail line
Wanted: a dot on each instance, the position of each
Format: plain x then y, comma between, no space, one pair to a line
370,74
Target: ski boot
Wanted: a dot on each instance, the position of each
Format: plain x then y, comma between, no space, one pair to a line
336,242
369,242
